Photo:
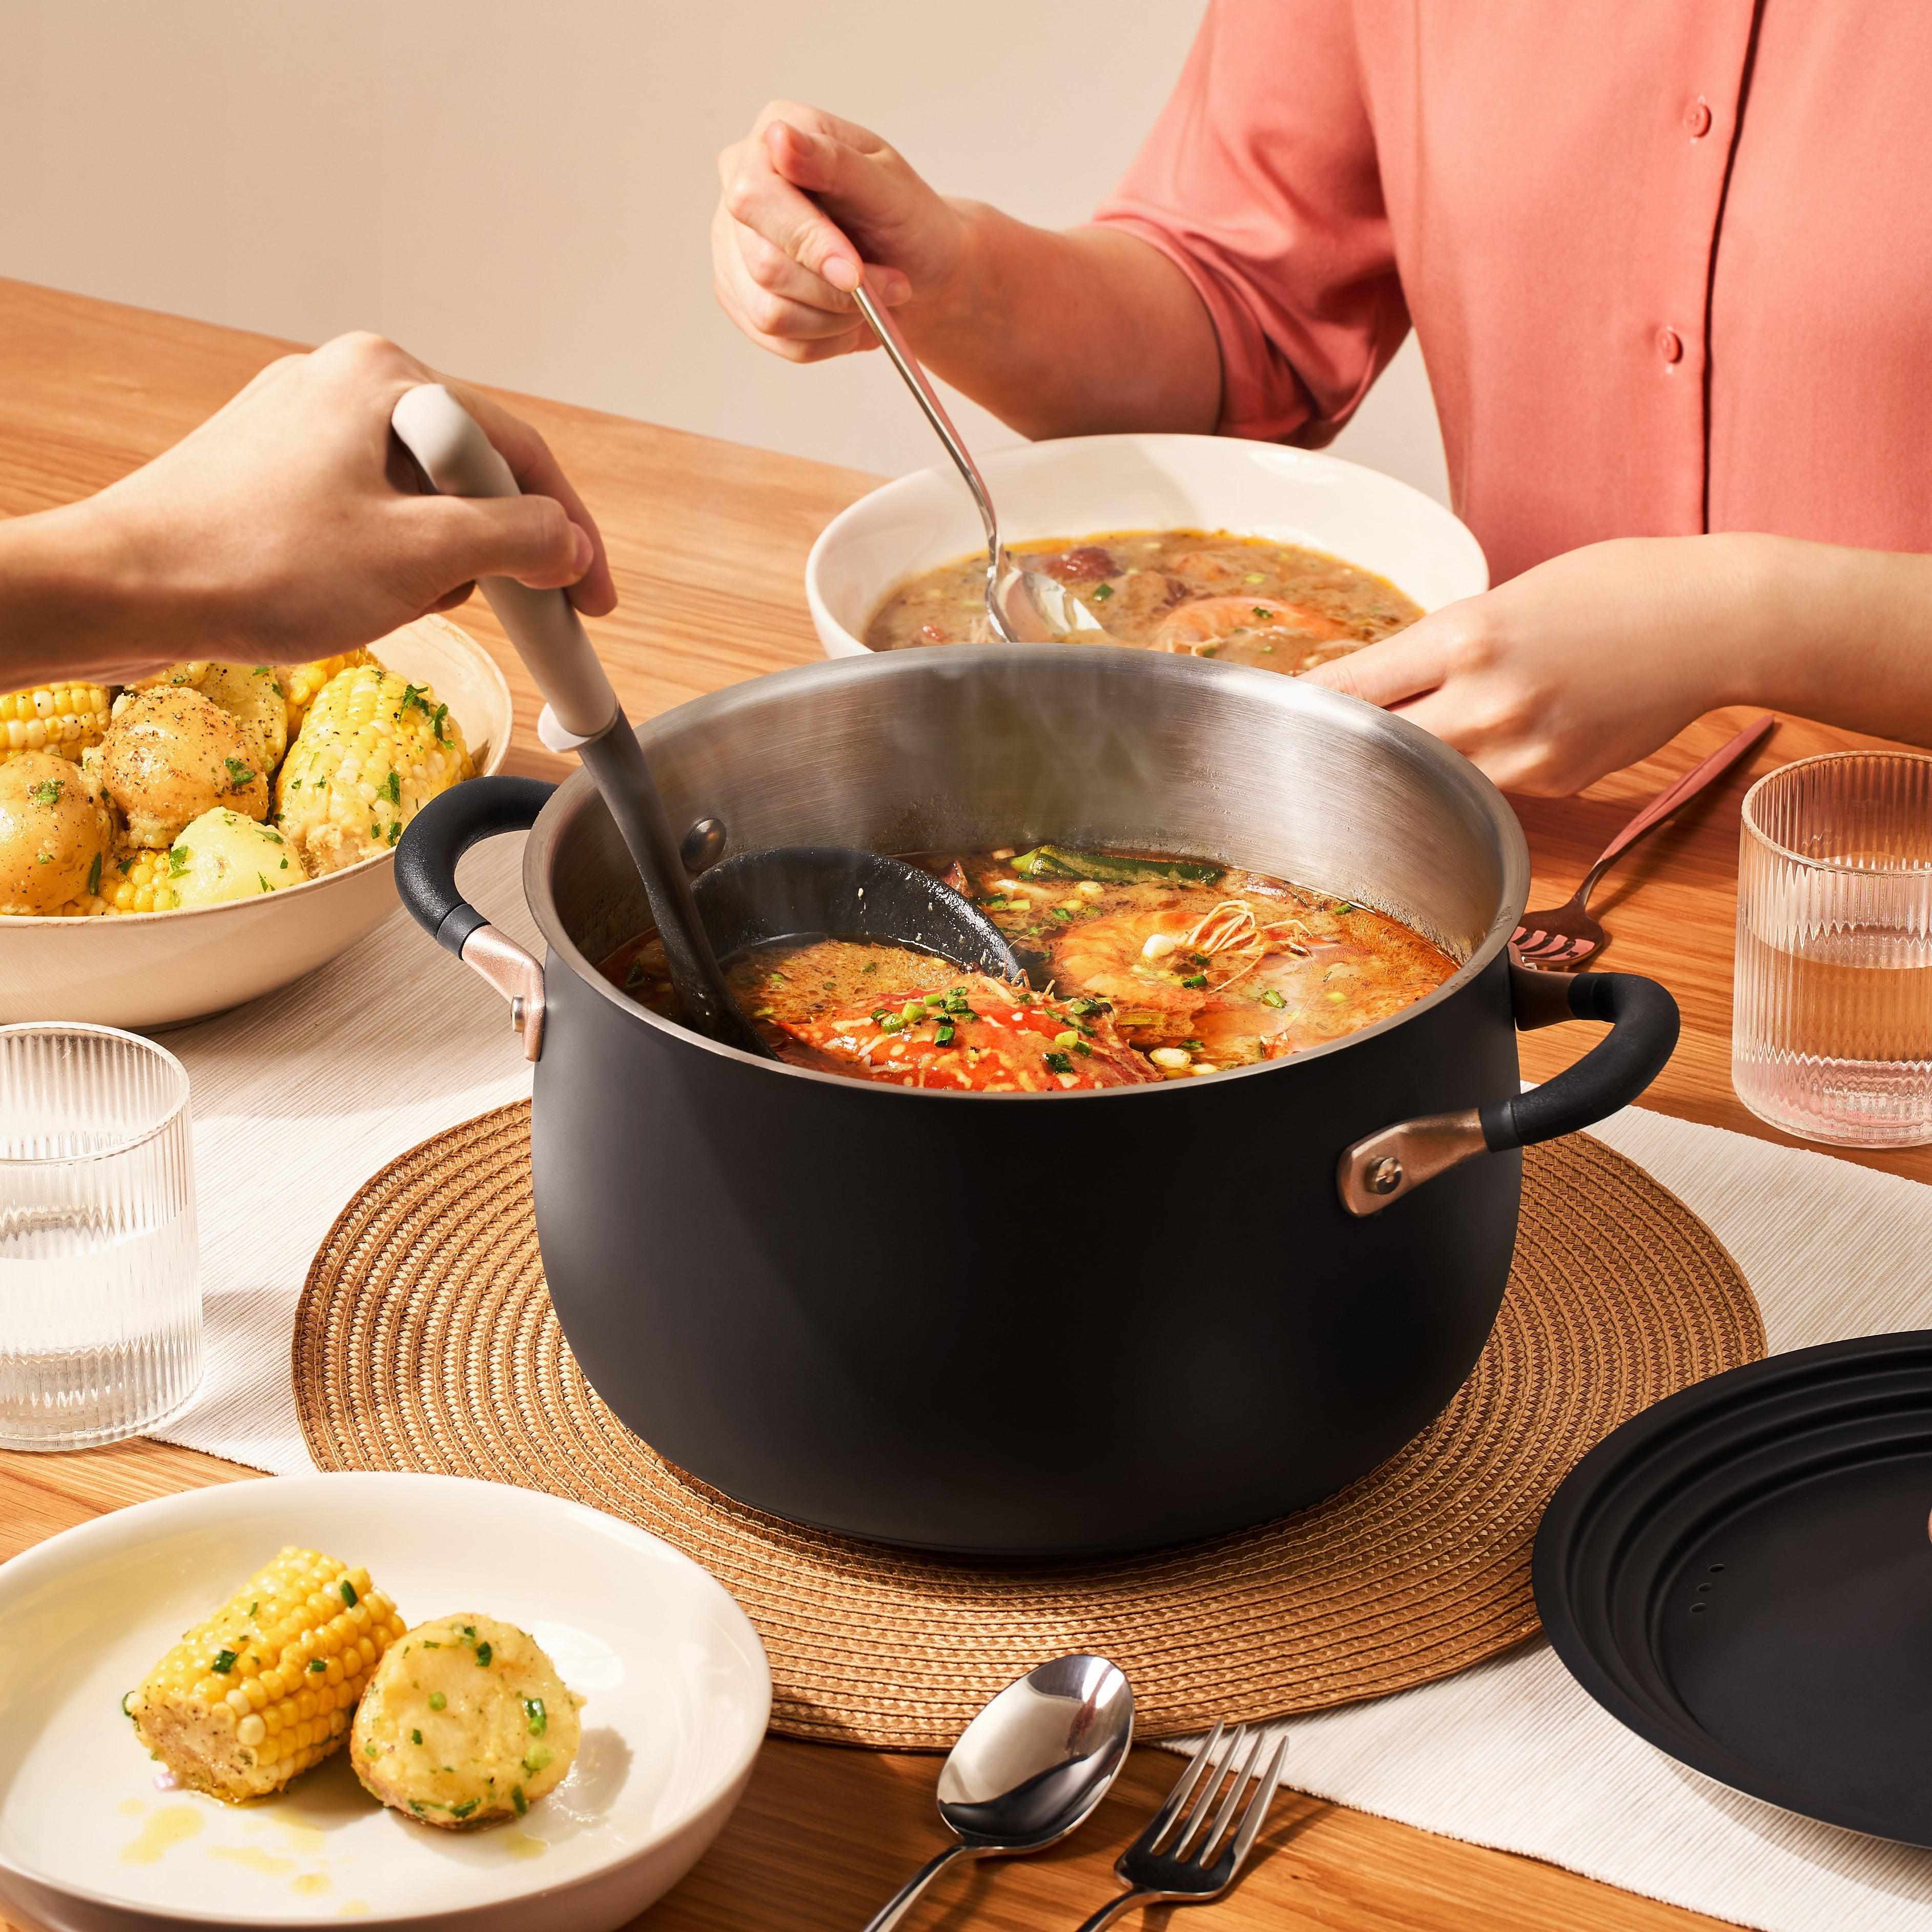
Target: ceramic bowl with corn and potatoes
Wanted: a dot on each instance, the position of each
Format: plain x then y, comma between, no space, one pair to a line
217,830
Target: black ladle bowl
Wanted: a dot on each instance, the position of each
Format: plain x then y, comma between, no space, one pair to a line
793,892
808,891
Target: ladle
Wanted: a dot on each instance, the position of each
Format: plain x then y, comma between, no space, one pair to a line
1025,606
1030,1767
761,897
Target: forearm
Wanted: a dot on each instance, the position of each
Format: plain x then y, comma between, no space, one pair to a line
72,603
1839,635
1070,334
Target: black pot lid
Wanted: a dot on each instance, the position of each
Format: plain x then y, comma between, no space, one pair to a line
1741,1575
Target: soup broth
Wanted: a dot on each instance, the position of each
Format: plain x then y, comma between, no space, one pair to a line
1140,966
1197,593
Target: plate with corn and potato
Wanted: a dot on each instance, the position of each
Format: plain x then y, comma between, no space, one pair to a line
412,1700
217,830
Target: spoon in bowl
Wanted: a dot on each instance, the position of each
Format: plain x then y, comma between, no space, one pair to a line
792,892
1030,1767
1025,606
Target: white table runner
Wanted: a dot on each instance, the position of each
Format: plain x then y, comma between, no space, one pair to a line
299,1099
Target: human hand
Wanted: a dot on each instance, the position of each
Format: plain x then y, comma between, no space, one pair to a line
1581,666
291,525
809,202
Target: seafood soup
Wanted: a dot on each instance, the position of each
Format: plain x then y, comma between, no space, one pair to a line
1197,593
1139,967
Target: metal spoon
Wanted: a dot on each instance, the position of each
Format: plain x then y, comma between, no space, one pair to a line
1027,607
847,893
1030,1767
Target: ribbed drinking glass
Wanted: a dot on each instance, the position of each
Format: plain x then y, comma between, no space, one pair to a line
1831,1011
99,1290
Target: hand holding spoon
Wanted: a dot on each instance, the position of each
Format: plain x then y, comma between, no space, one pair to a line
1030,1767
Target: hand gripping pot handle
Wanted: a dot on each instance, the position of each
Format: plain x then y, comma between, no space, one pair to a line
1643,1023
431,844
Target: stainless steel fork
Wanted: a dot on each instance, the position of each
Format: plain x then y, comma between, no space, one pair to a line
1184,1864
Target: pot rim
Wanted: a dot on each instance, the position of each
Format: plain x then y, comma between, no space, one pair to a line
579,793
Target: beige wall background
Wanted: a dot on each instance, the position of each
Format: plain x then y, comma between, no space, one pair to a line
520,191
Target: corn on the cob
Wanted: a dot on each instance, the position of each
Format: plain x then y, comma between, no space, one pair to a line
265,1687
137,880
65,718
301,683
372,751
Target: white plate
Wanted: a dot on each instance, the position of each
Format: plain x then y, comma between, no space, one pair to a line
678,1687
1081,485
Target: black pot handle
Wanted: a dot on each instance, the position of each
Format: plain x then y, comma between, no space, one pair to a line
426,860
1643,1022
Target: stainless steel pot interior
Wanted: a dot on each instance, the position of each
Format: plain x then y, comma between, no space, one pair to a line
969,746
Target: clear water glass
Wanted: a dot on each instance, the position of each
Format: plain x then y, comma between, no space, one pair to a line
1831,1008
100,1286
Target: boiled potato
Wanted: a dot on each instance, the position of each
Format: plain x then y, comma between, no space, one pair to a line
253,695
465,1721
55,829
171,754
222,856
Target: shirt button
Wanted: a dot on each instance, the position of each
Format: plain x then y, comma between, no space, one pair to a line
1670,345
1697,119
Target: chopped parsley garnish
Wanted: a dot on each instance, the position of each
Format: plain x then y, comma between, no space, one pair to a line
1059,1062
263,877
437,1700
394,787
436,723
93,874
224,1661
241,774
180,857
348,1590
484,1654
1102,592
318,1664
1260,610
412,695
48,791
415,1737
1272,998
254,1606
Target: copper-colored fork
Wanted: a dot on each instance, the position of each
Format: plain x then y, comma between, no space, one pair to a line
1565,936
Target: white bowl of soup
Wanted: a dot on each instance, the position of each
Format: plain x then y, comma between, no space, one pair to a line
1206,546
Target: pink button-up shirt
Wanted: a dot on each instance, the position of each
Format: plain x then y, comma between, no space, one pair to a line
1670,261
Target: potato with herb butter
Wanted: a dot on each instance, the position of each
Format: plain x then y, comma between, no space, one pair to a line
222,855
171,754
55,829
465,1721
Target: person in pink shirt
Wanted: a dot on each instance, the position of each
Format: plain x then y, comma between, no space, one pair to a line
1669,267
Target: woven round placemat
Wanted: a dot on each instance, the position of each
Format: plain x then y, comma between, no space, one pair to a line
425,1341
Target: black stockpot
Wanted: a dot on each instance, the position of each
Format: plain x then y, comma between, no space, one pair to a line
1009,1324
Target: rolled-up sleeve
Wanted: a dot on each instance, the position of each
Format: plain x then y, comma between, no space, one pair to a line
1259,181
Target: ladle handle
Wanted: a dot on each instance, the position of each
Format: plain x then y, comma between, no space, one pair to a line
461,460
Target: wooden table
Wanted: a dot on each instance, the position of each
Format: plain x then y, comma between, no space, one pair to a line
708,541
